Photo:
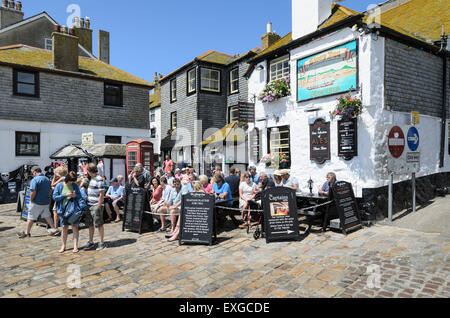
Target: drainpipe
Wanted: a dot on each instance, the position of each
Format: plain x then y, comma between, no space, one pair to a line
444,112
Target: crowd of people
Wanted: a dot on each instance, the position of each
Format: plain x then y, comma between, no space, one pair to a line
167,188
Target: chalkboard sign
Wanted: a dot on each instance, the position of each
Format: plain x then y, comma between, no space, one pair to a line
280,214
136,202
348,138
344,199
197,218
320,141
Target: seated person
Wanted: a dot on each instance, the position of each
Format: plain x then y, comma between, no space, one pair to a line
174,204
277,179
160,207
331,179
222,190
247,192
288,181
114,199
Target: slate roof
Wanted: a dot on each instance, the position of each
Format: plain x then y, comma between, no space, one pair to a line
155,99
23,55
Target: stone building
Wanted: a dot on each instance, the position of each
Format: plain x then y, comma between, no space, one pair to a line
395,63
200,98
49,98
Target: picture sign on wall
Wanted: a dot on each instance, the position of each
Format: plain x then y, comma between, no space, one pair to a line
320,141
331,72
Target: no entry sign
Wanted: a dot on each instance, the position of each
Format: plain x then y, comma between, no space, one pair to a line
396,142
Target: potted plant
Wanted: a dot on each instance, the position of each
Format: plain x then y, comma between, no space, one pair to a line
283,160
275,90
348,107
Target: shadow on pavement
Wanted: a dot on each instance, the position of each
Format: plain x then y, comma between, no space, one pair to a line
2,229
121,242
409,211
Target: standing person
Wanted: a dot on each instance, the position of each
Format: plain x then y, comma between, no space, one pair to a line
239,174
137,179
114,198
168,165
40,187
233,181
247,193
94,217
331,179
288,181
63,193
254,177
58,177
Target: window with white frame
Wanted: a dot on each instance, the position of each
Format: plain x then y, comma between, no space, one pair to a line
192,81
173,121
153,133
210,80
279,68
173,90
234,81
153,116
280,141
48,44
234,113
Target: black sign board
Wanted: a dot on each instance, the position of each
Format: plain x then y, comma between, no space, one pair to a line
254,145
246,112
280,214
348,138
197,218
136,202
344,198
320,141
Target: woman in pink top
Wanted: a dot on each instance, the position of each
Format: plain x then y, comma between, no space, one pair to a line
157,192
168,164
205,184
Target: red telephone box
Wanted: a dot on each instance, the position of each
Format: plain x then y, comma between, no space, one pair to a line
140,151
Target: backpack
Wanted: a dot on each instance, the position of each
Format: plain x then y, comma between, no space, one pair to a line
74,210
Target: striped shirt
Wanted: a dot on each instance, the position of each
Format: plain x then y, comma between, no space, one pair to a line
95,187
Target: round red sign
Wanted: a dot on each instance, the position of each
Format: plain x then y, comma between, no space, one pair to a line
396,142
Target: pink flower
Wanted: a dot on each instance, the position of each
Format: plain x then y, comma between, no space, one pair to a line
337,112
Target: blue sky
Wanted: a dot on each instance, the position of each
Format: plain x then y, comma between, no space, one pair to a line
160,36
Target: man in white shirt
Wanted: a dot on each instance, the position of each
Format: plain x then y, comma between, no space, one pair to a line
288,181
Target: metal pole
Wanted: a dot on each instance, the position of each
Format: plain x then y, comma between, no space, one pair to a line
414,192
391,187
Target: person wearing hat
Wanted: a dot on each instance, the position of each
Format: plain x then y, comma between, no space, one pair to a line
288,181
277,179
114,198
178,174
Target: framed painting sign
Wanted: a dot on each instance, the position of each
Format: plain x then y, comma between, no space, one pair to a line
328,73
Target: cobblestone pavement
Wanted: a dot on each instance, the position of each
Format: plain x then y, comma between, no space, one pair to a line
409,264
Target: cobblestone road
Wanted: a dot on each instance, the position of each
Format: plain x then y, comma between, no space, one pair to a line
410,264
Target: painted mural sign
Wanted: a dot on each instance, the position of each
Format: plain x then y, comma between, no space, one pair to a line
328,73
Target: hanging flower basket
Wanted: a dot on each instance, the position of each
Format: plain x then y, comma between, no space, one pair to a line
348,107
275,90
276,161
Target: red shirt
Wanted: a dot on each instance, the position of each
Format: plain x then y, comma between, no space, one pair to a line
168,165
157,195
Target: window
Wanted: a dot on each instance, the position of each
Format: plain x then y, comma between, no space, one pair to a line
113,95
28,144
279,68
48,44
26,83
234,81
113,140
173,90
192,81
153,133
132,160
153,116
233,113
279,142
173,121
210,80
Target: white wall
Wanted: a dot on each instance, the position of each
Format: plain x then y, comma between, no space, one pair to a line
53,137
369,168
157,124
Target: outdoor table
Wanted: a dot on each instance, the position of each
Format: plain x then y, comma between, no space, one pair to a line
305,200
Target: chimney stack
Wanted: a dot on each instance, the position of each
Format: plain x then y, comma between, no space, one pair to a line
307,15
103,46
65,50
9,14
84,33
269,38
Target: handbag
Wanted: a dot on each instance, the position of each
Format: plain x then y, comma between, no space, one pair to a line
74,210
